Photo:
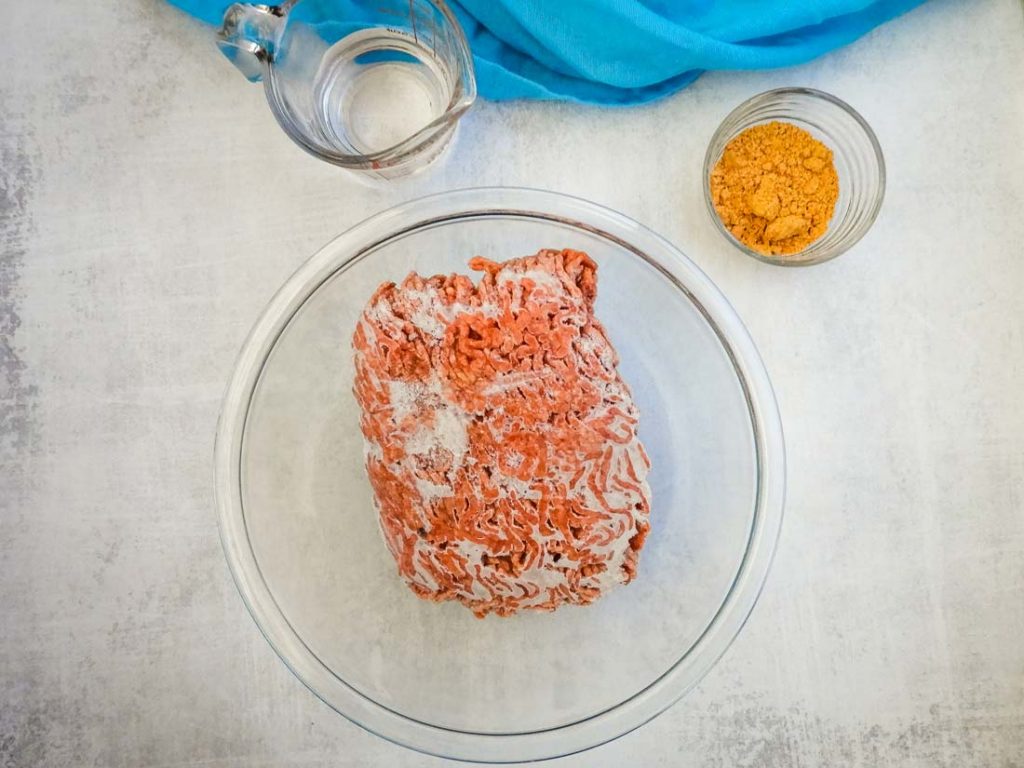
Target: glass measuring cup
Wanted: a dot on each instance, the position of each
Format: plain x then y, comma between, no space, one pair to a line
369,85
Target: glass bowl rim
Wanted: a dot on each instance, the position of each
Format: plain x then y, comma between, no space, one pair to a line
489,203
790,260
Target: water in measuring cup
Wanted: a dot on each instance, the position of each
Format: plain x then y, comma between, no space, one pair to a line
376,88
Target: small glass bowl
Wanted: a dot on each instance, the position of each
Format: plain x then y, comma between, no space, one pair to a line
856,153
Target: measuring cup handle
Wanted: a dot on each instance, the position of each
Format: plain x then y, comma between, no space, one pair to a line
249,36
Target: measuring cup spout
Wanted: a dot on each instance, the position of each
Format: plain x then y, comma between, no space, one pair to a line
250,34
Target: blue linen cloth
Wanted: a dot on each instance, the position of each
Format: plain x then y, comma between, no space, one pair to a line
632,51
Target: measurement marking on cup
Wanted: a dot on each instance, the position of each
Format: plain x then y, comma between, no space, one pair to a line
399,32
434,35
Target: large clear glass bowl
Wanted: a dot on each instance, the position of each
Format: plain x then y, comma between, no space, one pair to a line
301,536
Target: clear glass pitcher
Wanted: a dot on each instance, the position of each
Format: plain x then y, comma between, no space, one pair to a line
369,85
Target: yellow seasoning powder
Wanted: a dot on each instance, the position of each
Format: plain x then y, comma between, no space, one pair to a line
775,188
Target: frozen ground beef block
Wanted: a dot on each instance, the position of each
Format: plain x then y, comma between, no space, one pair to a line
501,442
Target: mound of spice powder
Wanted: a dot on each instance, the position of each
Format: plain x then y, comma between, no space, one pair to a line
775,188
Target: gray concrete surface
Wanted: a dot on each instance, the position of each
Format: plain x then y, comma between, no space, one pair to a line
149,207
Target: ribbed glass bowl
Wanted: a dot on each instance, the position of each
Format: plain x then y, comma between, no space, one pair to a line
856,154
301,535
